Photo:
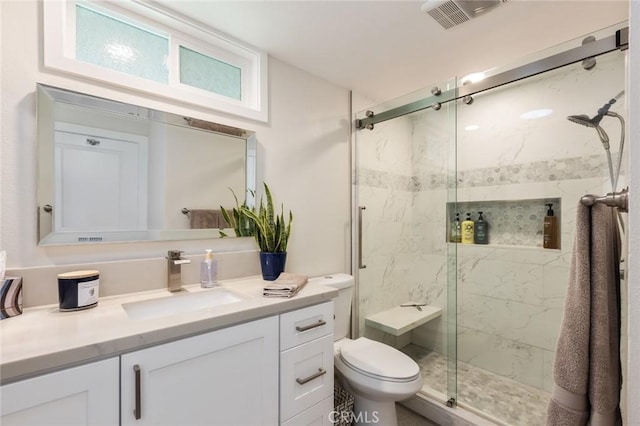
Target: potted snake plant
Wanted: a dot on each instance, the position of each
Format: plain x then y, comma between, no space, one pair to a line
271,232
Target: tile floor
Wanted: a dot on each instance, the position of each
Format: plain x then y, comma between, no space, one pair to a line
500,397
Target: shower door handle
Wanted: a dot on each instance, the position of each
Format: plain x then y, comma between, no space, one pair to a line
360,264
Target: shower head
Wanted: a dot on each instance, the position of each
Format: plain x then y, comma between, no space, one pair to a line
591,122
594,122
582,119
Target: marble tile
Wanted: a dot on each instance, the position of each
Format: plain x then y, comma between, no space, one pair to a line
432,335
527,255
554,284
501,397
509,281
538,171
547,370
386,149
532,325
387,180
508,358
511,293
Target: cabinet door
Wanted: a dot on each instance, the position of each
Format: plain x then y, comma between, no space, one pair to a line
85,395
226,377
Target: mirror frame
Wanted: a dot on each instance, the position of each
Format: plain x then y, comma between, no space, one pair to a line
46,99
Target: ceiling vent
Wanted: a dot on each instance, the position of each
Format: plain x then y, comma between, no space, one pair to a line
451,13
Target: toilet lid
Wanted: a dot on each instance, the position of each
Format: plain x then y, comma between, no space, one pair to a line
379,360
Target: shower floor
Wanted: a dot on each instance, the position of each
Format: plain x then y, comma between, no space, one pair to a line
505,399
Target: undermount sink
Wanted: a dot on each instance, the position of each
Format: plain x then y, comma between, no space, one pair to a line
180,303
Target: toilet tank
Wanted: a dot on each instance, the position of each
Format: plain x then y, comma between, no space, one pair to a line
342,303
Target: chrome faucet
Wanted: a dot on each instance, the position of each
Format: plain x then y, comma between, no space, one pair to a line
175,261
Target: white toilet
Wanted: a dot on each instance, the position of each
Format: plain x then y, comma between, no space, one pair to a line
376,374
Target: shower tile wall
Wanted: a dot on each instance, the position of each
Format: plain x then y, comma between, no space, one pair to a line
511,299
385,188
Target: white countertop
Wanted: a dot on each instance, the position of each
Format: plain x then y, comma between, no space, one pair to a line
43,339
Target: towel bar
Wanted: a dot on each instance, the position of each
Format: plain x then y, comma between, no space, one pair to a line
612,199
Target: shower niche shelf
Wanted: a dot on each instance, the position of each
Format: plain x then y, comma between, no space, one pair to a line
513,223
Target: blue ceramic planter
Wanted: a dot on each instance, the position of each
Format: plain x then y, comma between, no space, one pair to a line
272,264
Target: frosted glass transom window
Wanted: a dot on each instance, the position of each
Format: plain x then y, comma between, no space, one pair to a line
118,45
207,73
143,47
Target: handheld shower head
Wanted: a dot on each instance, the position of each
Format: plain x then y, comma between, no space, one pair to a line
596,119
581,119
594,122
584,120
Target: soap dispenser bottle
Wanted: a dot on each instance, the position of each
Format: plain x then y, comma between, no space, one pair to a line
481,230
550,239
455,235
208,270
467,230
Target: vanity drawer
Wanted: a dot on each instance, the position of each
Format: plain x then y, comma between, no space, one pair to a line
318,415
306,376
306,324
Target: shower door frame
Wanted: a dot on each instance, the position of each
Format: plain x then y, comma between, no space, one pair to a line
618,41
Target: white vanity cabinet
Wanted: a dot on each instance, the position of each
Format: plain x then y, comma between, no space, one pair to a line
84,395
269,371
306,366
225,377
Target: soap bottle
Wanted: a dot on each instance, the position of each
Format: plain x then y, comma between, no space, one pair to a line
550,239
455,234
467,230
208,270
481,228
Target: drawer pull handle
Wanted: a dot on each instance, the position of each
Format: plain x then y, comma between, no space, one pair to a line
309,327
321,372
137,411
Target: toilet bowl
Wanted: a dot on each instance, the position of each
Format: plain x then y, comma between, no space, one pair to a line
377,375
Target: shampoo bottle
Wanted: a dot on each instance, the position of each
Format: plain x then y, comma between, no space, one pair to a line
455,235
550,239
208,271
467,230
481,228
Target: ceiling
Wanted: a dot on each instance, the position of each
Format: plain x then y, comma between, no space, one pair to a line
384,49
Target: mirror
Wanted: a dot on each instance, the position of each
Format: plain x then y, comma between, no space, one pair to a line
115,172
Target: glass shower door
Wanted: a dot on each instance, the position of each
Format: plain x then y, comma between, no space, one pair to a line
404,189
518,154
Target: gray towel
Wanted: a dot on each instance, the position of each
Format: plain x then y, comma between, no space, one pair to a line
286,285
586,369
202,219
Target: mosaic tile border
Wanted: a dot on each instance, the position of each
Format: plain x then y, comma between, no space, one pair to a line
538,171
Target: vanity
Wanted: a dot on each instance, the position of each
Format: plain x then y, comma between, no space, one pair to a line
248,360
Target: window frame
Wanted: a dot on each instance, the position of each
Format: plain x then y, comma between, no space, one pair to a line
59,54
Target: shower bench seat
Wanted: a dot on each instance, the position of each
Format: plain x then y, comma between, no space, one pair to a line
400,320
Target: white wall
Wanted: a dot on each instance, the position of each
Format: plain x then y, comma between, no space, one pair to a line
303,155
